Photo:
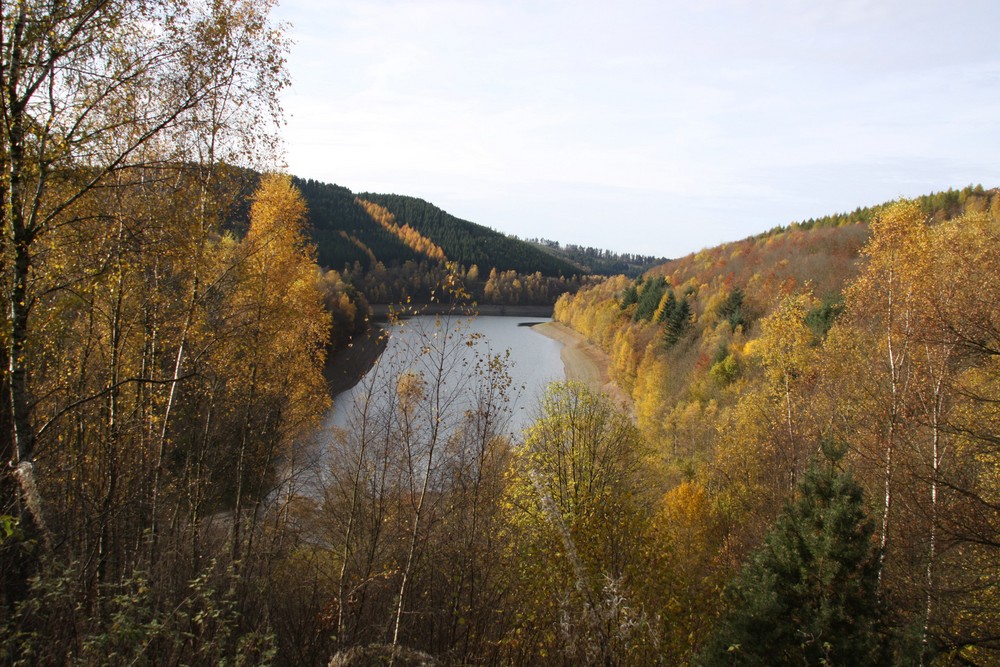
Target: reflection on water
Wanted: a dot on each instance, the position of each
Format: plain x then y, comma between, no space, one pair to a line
533,361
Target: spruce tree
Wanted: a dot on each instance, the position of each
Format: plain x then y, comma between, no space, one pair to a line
732,310
629,296
808,596
677,323
668,308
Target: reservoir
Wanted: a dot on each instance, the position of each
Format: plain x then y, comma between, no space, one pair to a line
454,349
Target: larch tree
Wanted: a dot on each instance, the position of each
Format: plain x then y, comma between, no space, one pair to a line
284,328
686,576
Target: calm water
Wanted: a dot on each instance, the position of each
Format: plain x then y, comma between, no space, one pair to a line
534,359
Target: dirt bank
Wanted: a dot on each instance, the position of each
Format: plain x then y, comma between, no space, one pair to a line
585,362
345,369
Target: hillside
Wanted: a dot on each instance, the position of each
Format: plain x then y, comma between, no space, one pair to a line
468,243
392,229
696,311
343,230
868,339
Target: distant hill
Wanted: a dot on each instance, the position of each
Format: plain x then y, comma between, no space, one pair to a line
392,229
599,261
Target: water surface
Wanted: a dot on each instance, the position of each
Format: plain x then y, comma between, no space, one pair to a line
534,360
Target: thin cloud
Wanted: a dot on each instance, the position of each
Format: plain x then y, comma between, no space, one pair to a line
679,111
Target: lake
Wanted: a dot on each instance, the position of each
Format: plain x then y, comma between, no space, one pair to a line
534,360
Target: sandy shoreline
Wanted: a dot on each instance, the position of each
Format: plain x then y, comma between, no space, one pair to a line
584,362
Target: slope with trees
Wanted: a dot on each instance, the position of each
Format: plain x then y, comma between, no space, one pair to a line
468,243
395,249
879,336
345,233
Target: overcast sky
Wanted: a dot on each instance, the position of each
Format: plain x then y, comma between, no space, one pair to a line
656,127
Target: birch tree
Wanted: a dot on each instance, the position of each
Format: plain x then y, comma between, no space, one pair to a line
99,96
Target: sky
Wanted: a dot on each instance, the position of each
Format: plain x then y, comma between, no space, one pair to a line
656,127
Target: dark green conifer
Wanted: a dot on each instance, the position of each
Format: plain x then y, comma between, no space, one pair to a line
668,308
629,296
732,310
677,322
808,596
649,298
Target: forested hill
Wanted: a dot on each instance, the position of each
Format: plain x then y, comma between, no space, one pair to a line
393,229
864,343
344,232
469,243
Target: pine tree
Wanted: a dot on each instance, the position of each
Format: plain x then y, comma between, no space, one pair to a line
809,595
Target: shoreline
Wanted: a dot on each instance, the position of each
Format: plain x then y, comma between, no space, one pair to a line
381,310
582,360
346,367
585,362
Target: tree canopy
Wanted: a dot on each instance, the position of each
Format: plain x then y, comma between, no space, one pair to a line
809,595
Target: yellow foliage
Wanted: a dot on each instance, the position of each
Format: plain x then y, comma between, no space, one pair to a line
409,236
650,395
785,346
